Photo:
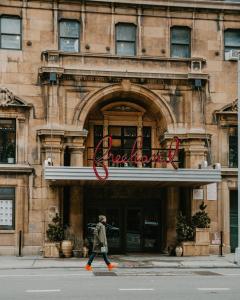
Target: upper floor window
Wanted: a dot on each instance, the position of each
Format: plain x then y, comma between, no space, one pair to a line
231,39
233,147
69,35
7,140
180,42
10,31
7,208
126,39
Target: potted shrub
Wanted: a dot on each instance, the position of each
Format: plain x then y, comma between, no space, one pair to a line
10,153
198,244
55,234
185,234
201,223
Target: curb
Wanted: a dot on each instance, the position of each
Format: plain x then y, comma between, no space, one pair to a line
123,267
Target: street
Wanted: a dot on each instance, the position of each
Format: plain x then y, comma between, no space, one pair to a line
124,283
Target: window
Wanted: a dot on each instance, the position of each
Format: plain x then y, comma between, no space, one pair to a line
7,140
232,39
7,208
180,42
126,39
233,147
10,30
69,35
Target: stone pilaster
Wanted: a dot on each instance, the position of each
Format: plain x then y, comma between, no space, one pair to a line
76,210
172,210
51,145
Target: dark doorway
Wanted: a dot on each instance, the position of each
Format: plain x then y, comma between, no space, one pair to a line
135,217
233,220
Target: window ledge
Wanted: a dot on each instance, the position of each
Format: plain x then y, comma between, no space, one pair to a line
15,168
8,231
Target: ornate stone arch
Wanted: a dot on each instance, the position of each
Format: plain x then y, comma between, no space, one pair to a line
84,107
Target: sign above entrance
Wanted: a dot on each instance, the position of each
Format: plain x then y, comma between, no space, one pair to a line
137,155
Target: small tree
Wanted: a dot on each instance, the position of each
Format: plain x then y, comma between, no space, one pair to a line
201,219
183,229
55,231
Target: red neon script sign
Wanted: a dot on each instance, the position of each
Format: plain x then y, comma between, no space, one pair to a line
135,157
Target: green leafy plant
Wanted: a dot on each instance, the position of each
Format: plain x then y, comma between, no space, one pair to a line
10,150
55,231
184,230
201,219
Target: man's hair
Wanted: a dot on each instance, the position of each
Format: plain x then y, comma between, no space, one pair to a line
101,218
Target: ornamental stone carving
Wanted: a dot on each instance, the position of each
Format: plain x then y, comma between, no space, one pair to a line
7,98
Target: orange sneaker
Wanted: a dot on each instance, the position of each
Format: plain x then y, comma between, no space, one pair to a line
88,268
111,266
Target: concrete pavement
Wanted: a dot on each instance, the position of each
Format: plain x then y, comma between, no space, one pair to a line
124,261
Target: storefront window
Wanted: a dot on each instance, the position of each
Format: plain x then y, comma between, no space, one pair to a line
7,208
7,140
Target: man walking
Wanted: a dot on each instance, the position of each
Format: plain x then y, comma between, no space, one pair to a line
100,244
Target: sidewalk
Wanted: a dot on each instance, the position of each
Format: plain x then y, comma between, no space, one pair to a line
124,261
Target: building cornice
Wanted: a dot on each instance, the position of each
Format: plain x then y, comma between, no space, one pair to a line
205,4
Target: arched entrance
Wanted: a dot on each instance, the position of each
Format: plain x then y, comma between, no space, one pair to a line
135,212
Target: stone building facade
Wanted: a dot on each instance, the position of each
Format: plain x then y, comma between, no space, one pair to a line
72,72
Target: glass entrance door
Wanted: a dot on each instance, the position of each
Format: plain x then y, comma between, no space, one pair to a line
133,230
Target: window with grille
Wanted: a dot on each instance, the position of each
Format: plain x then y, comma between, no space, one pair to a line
69,35
126,39
7,208
10,32
7,140
180,42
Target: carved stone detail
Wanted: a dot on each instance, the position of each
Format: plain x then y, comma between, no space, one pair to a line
7,98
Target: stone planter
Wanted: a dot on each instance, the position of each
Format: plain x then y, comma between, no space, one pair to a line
199,247
67,248
202,236
51,249
179,251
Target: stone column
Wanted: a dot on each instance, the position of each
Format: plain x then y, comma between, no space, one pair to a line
225,200
53,105
76,192
172,210
76,210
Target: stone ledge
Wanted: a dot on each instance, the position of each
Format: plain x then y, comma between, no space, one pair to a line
16,168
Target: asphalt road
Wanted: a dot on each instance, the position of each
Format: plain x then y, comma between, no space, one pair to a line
137,284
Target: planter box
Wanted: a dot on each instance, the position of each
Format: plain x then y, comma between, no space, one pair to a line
191,249
202,236
199,247
51,250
